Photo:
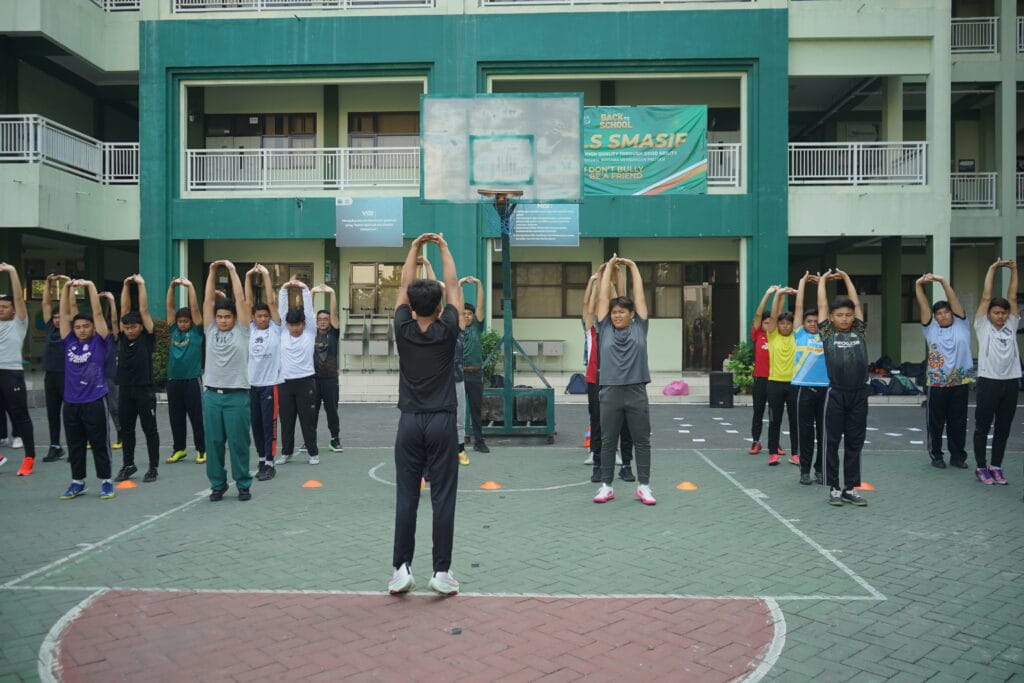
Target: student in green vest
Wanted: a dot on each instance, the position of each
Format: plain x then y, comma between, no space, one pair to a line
184,372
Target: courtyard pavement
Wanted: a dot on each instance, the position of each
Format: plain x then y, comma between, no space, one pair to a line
749,575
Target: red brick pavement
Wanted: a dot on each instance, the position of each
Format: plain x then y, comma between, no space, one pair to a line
165,636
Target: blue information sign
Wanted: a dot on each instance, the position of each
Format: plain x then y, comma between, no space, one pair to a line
368,221
546,225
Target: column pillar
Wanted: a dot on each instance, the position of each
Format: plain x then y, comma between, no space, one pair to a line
892,109
892,299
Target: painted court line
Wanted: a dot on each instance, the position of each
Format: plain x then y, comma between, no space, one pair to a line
776,646
789,525
106,541
49,651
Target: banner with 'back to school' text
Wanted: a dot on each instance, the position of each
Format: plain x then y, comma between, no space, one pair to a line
645,150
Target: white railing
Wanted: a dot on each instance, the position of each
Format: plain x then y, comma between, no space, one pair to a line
33,138
1020,190
1020,35
979,34
972,190
858,163
285,5
724,164
117,5
309,169
497,3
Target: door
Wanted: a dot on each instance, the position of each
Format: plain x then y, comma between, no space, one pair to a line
697,327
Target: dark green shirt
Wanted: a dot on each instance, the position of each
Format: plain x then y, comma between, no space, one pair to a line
472,350
846,354
185,353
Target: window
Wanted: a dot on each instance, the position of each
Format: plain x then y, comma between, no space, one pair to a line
373,287
384,129
663,286
274,131
543,290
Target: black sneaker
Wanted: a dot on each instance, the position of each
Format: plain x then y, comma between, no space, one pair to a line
805,478
959,464
261,473
818,479
218,494
336,445
626,474
243,494
854,498
939,464
835,497
595,478
55,453
151,475
126,473
271,472
481,447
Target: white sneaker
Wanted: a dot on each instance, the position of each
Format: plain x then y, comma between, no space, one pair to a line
282,459
443,583
16,442
5,441
314,460
401,581
302,449
618,458
3,460
644,495
589,460
604,494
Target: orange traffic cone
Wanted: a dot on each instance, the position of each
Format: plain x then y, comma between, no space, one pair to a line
864,486
312,484
687,486
490,485
126,484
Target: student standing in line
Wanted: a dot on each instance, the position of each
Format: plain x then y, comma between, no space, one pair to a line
113,398
760,326
949,373
622,326
297,393
185,372
426,331
226,416
13,395
473,361
86,345
844,337
325,363
137,398
810,378
999,372
264,372
781,394
53,363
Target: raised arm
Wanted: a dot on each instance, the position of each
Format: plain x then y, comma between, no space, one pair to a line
409,270
428,269
307,307
1011,289
193,302
619,285
65,309
147,319
604,290
169,303
247,282
452,291
210,294
115,328
243,307
479,296
126,294
823,279
20,312
639,297
780,298
268,287
282,300
798,312
851,292
986,292
590,299
333,308
759,314
924,306
951,297
47,305
94,302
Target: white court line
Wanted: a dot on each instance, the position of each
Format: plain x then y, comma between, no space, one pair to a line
789,525
49,651
109,539
373,475
383,592
776,646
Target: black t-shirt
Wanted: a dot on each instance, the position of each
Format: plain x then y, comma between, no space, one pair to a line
53,352
846,354
426,362
325,353
135,359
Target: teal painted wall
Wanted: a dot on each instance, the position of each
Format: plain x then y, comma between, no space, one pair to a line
457,53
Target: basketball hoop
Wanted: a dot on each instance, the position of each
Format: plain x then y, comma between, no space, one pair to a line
503,206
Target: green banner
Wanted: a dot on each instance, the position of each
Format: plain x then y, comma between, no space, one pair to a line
645,150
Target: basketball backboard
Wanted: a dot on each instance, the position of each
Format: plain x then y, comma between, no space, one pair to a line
529,142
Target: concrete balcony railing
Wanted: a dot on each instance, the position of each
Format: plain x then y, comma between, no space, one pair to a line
724,164
29,138
978,34
288,5
973,190
858,163
303,169
118,5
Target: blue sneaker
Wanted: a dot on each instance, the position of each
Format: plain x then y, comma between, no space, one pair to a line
74,491
107,491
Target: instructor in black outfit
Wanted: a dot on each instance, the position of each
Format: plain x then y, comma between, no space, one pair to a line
426,330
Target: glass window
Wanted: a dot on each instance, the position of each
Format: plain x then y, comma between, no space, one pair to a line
373,287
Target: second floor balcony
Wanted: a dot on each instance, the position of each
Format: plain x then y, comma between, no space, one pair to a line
976,34
29,138
858,163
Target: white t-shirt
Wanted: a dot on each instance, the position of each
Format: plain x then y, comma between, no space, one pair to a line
297,352
998,357
264,355
12,337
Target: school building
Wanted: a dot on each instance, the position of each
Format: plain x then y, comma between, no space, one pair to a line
884,137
